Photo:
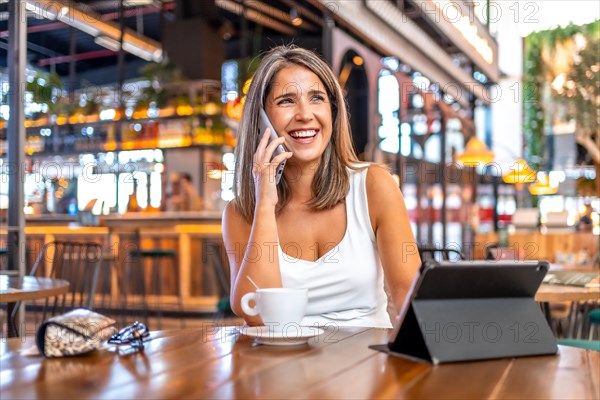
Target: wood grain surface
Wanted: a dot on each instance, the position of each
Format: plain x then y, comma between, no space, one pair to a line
13,288
219,362
555,293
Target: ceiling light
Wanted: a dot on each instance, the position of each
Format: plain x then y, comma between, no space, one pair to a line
295,17
542,186
75,23
107,42
135,3
475,152
520,173
44,12
157,55
138,51
107,33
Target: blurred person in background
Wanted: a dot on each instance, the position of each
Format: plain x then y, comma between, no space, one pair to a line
185,196
585,220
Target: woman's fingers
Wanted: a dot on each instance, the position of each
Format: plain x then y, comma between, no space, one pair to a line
264,152
272,146
266,158
281,157
262,145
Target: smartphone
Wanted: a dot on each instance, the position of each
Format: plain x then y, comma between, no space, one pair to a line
264,124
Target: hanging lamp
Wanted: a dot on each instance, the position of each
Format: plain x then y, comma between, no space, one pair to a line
520,173
542,187
475,152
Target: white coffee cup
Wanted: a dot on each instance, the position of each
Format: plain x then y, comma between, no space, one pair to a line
277,307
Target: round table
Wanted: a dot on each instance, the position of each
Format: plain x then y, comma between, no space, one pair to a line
14,289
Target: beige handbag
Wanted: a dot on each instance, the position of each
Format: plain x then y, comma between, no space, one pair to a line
77,332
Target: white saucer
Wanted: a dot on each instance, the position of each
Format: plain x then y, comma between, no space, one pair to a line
292,336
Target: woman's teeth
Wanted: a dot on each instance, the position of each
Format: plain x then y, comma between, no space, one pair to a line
303,134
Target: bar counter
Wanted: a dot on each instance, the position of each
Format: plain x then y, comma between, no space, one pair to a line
163,217
194,236
542,246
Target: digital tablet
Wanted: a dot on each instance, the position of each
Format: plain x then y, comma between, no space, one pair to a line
473,310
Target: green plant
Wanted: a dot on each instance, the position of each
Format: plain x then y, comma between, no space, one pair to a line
533,113
537,75
44,88
581,96
158,74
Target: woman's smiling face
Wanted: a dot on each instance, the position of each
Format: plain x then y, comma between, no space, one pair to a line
300,110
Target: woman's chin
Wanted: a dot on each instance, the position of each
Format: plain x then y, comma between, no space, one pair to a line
305,158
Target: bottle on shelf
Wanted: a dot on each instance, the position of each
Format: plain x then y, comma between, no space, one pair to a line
132,204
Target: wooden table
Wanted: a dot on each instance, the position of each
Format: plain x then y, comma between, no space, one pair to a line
555,293
14,289
575,296
541,246
218,362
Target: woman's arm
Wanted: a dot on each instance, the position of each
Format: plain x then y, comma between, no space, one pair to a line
252,249
395,241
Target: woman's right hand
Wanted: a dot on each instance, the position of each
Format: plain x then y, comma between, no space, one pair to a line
264,169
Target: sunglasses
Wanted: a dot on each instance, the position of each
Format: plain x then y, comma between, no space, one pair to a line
132,335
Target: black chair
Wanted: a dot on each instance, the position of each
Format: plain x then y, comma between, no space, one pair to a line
76,262
440,254
493,252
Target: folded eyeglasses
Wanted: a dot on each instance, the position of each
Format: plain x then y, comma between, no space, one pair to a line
132,335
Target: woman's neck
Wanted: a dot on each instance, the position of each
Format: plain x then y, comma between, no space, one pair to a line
300,178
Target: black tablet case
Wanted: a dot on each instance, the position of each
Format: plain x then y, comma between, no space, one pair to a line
473,311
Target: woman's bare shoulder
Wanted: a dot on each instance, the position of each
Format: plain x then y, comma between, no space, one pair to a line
233,222
379,180
231,210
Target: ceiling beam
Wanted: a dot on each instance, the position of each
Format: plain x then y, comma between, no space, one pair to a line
91,22
76,57
255,16
51,26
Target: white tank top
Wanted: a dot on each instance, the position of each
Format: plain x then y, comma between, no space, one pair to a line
345,285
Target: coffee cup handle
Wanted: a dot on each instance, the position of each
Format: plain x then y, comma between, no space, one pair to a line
246,299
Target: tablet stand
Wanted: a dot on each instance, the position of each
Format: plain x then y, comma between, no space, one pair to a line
474,311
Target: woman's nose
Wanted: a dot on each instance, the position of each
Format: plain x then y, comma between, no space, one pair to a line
303,112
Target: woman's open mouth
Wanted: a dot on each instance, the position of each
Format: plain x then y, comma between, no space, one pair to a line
304,136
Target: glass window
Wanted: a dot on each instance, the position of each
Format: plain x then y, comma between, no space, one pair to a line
388,105
99,187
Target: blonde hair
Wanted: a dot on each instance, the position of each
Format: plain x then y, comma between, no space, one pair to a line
331,181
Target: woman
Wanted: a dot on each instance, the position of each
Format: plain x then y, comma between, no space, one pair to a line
332,224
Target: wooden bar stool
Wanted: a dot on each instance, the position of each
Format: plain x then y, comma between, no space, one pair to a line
135,280
214,261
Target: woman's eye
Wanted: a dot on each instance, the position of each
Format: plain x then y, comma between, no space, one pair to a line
284,101
318,98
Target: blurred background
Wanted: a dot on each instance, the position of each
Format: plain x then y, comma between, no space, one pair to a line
486,112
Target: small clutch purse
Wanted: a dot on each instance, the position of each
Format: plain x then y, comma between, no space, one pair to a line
77,332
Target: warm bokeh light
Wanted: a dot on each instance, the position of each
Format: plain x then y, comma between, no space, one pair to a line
476,152
520,173
542,186
215,174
